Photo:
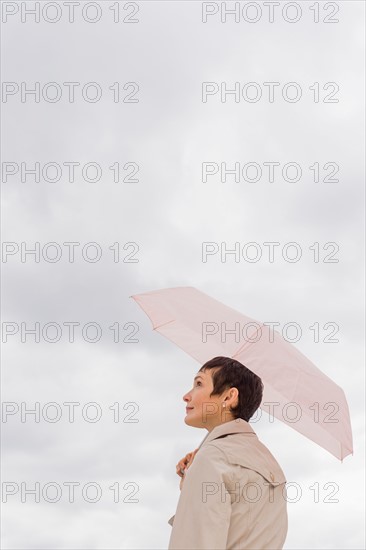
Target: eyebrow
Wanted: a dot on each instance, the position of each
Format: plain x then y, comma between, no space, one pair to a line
195,378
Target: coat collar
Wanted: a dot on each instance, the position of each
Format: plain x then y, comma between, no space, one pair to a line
238,425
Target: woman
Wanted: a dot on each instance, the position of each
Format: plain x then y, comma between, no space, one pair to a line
233,491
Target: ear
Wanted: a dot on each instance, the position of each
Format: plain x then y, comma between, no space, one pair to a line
234,393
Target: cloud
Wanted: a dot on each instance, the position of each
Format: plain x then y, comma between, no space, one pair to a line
169,213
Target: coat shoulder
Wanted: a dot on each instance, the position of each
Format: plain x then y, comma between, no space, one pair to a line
249,452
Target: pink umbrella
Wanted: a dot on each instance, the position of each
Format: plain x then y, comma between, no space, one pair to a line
295,390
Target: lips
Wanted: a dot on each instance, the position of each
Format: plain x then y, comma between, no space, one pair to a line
189,408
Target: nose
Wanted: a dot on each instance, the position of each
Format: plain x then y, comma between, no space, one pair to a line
187,397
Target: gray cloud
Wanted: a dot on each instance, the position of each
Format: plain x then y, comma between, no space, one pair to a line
169,213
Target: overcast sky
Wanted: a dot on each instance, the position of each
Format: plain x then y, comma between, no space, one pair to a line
151,233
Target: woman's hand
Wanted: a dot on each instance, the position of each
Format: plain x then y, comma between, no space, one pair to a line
184,464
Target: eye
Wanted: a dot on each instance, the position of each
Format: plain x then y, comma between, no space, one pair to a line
198,382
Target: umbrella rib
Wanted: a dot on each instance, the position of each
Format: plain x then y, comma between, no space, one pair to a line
163,324
246,344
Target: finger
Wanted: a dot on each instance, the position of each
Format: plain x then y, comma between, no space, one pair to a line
183,463
180,466
192,457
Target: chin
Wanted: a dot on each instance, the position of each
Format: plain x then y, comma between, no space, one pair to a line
187,421
194,422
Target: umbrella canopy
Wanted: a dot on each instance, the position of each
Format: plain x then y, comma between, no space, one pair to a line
295,390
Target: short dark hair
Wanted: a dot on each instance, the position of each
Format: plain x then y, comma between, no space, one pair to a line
231,374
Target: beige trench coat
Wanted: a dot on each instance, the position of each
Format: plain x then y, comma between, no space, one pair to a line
233,495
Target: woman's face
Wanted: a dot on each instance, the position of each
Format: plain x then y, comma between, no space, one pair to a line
203,411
